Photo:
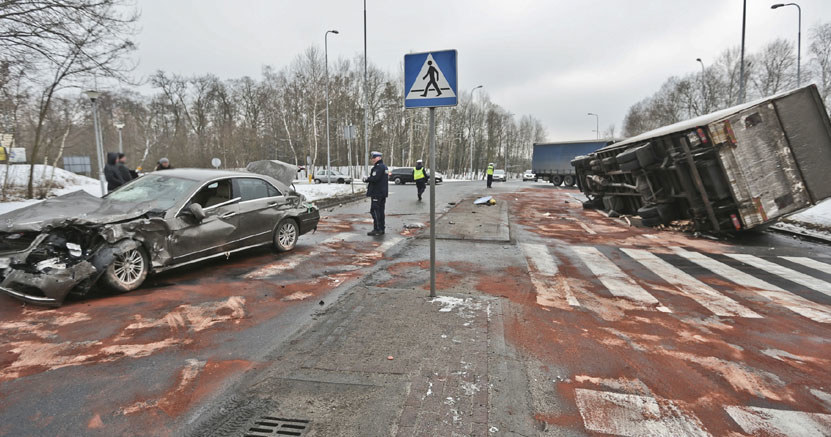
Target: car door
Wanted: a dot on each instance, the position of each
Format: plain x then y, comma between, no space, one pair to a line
259,209
218,232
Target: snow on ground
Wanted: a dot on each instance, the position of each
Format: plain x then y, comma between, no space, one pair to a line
63,182
818,216
321,191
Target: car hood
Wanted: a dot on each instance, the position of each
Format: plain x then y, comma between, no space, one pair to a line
76,208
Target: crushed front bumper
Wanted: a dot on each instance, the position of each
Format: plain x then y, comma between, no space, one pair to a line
46,288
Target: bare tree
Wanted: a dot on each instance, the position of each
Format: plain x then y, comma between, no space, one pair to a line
775,69
60,43
820,63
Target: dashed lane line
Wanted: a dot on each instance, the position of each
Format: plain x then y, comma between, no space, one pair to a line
711,299
793,302
617,282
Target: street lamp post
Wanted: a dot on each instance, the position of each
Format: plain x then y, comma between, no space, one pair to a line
93,97
119,126
470,124
366,105
597,124
741,62
326,54
798,40
703,89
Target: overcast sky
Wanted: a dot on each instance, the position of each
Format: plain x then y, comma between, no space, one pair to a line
555,60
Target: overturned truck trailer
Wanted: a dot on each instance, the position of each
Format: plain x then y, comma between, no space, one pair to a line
732,170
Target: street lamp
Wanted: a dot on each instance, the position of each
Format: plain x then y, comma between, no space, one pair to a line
470,123
741,62
597,124
798,40
703,89
119,125
328,157
93,97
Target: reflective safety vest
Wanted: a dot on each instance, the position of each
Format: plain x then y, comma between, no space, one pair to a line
418,173
490,170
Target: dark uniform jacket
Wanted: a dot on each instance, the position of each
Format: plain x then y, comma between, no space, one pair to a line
378,181
112,173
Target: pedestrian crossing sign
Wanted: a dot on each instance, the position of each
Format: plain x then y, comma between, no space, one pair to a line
430,79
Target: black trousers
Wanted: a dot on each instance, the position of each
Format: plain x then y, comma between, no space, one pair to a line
490,180
421,185
376,210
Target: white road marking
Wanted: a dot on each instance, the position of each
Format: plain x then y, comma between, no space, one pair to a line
388,243
810,263
768,421
275,268
784,272
634,415
617,282
582,225
538,255
711,299
793,302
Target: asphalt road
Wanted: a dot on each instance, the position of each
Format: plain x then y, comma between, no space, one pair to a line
620,330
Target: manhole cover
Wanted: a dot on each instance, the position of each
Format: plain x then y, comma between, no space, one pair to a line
276,426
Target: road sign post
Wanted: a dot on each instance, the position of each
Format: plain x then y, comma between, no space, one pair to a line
430,81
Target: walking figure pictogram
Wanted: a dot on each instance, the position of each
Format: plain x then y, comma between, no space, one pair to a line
433,72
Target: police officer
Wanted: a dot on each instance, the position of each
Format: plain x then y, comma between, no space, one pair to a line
377,190
490,174
420,177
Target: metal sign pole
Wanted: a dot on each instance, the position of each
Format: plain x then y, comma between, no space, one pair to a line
433,202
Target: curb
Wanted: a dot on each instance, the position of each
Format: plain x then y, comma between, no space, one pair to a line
339,200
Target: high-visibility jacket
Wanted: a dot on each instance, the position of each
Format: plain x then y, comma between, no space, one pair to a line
490,170
418,173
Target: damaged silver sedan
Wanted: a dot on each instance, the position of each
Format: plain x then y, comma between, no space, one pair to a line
160,221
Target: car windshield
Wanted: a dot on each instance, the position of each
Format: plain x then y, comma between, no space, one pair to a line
163,191
499,172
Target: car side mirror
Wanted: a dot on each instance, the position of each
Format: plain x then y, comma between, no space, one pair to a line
196,210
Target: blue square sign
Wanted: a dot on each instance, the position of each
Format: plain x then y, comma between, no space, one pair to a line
430,79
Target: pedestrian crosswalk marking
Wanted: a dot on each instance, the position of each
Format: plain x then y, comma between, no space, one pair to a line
634,415
810,263
784,272
793,302
537,254
769,421
711,299
617,282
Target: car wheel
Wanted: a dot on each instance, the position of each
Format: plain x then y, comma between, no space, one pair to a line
128,271
341,181
285,235
317,181
398,181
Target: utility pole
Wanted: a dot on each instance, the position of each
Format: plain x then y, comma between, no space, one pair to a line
597,124
93,97
326,54
741,65
470,134
366,104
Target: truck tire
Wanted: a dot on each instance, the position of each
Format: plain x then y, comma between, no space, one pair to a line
557,180
628,160
646,155
653,215
569,180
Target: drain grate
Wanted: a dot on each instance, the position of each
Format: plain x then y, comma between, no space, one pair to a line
276,426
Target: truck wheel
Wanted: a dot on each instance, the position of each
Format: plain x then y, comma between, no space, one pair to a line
646,155
557,180
628,160
569,180
127,271
661,213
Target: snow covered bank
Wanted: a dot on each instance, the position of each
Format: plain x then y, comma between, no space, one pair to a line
62,182
322,191
818,217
